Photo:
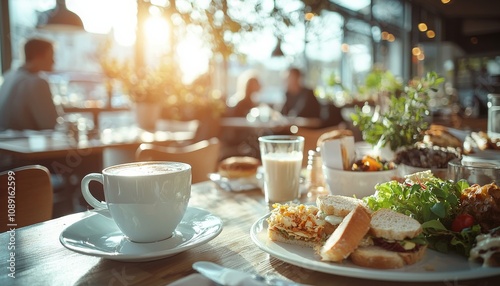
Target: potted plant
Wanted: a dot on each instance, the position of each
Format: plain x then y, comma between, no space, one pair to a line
405,119
158,91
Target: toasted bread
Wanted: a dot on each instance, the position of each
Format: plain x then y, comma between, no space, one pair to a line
392,225
276,235
347,235
337,205
296,224
377,257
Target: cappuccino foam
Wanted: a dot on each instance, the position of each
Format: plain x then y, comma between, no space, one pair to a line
145,169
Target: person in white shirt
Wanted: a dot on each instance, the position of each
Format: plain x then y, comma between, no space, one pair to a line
25,97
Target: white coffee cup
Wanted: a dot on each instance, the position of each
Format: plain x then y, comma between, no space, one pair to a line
147,200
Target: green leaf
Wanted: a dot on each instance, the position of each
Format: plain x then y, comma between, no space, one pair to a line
439,209
433,224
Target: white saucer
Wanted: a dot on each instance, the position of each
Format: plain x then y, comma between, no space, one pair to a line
98,235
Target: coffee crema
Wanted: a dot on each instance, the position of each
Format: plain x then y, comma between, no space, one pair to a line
142,169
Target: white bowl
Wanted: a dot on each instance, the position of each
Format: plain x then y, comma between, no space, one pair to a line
404,170
353,183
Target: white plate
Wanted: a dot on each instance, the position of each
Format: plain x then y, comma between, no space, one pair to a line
236,185
98,235
434,266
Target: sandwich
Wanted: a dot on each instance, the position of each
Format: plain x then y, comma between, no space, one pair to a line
346,237
309,225
334,208
296,224
393,241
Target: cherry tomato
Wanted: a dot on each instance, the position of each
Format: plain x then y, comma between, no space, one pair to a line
462,221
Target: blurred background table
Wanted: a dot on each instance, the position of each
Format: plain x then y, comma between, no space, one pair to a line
240,135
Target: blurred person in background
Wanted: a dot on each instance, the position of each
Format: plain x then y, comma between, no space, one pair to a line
300,101
240,104
25,97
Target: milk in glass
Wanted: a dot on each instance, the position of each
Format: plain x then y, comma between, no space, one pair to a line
282,176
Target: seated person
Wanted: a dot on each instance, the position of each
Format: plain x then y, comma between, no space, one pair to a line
243,100
300,101
25,97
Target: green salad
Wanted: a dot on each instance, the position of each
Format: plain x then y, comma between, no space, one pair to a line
435,203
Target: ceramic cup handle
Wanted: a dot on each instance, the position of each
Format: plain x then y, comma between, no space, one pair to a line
86,192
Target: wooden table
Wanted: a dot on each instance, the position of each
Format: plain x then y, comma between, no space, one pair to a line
42,260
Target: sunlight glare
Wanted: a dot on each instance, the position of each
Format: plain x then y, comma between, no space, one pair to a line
157,32
193,58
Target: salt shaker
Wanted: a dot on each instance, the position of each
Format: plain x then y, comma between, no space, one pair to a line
315,184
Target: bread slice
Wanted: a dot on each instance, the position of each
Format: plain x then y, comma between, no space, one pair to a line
337,205
275,235
379,258
347,235
392,225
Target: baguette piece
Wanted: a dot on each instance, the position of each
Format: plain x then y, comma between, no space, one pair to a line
379,258
392,225
347,235
337,205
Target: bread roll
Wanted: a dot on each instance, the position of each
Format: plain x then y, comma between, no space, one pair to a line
238,167
439,135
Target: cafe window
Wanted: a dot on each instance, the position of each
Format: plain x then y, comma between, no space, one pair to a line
75,51
318,46
389,12
323,49
357,60
359,6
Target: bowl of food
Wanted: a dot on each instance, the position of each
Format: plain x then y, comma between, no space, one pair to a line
423,157
360,181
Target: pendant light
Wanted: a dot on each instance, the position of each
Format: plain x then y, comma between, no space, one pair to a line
277,52
59,19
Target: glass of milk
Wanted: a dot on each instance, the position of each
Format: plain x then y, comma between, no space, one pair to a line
281,157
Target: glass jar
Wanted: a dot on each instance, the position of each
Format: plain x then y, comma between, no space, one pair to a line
494,116
315,184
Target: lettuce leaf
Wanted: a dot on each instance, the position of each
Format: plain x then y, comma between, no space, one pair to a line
434,203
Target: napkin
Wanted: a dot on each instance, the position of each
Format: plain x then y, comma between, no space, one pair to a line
338,153
200,280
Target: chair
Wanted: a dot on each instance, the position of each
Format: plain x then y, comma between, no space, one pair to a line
311,137
203,156
30,189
